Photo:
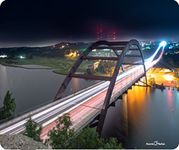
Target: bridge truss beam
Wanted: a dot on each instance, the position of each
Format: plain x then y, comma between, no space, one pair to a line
124,48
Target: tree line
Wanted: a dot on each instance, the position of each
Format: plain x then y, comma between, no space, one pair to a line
65,137
8,108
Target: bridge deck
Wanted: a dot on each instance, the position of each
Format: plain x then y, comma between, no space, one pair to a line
82,111
87,111
83,107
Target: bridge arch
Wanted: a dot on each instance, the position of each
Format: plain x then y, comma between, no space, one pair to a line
121,50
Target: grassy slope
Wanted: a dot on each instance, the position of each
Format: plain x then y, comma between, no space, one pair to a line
59,65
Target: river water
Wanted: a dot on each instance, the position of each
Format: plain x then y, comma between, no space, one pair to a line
32,88
145,118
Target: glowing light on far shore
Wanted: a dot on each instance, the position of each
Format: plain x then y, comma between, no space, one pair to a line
3,56
72,55
22,57
152,76
168,77
163,43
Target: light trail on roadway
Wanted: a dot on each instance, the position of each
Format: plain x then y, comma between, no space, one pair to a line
92,98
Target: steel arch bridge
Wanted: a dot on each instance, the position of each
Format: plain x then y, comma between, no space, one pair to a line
48,114
121,50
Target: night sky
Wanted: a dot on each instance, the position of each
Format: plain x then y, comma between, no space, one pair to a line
28,22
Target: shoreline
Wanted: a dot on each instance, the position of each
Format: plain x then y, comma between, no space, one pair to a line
33,68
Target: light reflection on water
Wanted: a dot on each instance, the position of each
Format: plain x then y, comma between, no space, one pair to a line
143,116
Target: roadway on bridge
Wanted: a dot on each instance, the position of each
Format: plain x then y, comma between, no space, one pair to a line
82,107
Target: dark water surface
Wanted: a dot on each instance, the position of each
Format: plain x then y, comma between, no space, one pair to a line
32,88
145,118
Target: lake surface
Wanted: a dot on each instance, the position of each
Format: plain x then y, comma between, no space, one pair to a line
145,118
32,88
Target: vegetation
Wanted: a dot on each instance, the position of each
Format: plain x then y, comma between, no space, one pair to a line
88,138
61,136
33,130
9,106
64,137
59,65
62,65
106,67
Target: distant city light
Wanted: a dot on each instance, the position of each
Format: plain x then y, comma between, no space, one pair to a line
22,57
168,77
148,48
166,70
163,44
72,54
170,47
152,76
63,46
3,56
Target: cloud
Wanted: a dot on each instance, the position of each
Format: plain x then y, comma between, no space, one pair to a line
1,2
